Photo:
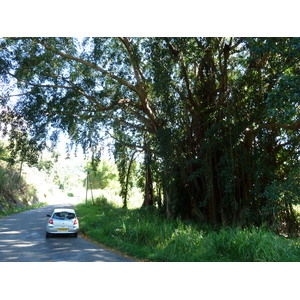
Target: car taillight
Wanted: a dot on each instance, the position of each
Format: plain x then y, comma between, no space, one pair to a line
75,222
50,221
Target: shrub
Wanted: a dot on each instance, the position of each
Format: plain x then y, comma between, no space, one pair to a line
101,200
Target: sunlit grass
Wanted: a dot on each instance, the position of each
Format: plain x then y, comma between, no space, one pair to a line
147,235
135,199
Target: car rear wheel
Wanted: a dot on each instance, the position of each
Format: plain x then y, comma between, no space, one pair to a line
48,235
75,235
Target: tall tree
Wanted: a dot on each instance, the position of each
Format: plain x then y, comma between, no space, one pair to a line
221,114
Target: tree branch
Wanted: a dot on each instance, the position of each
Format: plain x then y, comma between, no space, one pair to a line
130,145
137,71
294,126
40,85
89,64
177,55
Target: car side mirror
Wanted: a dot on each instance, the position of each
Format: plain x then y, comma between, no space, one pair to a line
49,216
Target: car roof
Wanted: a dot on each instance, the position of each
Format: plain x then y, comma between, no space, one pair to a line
64,209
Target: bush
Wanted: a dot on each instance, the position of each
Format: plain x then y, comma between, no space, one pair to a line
101,200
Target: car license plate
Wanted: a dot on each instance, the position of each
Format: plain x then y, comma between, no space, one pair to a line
62,229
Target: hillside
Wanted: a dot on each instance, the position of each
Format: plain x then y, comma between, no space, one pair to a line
14,190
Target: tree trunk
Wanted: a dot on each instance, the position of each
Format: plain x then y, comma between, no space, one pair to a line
127,181
148,197
167,200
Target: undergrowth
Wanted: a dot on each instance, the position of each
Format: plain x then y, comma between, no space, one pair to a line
20,209
15,192
145,234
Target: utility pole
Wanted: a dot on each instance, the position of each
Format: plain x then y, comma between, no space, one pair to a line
91,187
86,187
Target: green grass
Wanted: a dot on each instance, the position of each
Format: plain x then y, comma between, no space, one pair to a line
146,235
20,209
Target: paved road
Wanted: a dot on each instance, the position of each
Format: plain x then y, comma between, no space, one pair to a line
22,239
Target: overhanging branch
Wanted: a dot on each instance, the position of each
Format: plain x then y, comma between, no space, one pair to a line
89,64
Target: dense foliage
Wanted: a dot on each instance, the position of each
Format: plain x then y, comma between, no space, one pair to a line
217,118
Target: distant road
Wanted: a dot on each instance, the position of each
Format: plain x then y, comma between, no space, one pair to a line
22,239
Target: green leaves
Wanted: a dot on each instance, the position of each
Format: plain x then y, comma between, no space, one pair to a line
220,114
284,100
101,175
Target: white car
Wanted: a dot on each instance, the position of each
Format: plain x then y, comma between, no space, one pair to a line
62,221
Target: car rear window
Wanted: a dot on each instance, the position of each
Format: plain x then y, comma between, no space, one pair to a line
63,215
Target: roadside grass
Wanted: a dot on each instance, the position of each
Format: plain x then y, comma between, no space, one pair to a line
21,209
146,235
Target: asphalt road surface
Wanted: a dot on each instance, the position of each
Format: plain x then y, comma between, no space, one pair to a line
23,239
